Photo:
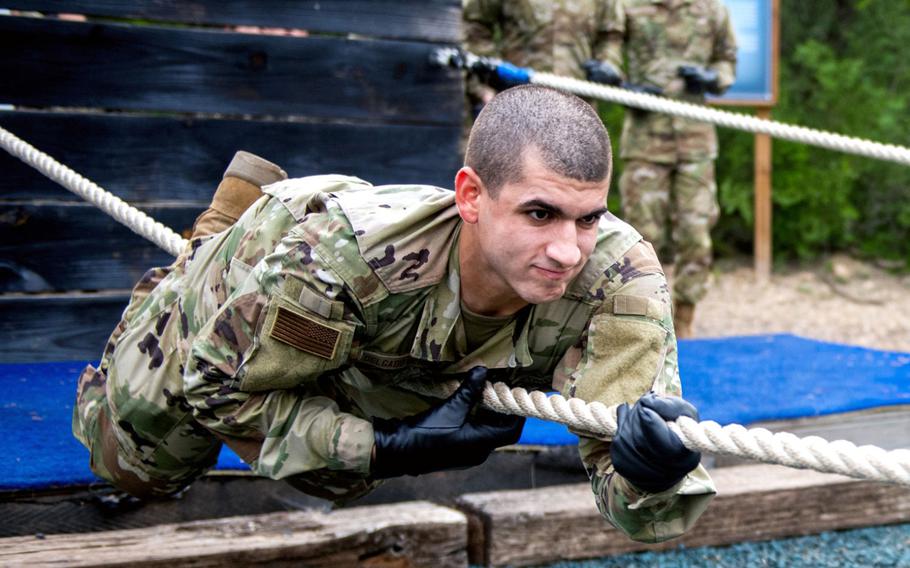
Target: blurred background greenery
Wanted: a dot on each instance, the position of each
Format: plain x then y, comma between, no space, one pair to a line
843,68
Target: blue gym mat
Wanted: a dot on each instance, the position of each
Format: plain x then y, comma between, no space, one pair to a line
739,379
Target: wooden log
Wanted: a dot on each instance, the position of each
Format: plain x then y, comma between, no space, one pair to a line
428,20
407,534
754,502
156,158
137,68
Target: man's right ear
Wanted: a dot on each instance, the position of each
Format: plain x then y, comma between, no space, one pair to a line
468,190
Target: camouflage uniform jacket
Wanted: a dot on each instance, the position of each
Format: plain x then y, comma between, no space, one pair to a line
659,36
551,36
332,301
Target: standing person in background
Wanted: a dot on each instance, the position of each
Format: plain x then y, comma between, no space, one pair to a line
686,48
565,37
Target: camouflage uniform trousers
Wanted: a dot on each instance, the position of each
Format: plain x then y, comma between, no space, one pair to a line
131,413
677,201
133,444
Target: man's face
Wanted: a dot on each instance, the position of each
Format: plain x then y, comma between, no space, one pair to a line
536,235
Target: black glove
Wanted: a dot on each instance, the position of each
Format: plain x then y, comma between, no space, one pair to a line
646,89
645,451
444,437
699,80
602,72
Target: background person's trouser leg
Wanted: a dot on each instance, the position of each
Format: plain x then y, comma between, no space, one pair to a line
695,214
645,191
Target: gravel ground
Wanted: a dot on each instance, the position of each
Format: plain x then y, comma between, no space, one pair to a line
871,547
838,299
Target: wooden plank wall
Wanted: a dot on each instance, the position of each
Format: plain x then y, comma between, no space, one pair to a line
151,98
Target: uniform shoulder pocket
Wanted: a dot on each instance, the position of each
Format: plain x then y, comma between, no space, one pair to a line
626,349
297,343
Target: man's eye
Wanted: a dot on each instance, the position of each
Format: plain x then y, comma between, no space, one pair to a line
539,215
590,219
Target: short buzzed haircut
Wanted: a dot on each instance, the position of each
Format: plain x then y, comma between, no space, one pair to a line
566,132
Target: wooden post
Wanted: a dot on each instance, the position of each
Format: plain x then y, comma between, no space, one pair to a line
763,201
414,533
754,503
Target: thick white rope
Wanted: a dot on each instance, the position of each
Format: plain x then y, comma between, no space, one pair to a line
759,444
136,220
812,452
847,144
866,462
803,135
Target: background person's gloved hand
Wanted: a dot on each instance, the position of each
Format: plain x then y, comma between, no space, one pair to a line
498,74
699,80
443,437
602,72
645,451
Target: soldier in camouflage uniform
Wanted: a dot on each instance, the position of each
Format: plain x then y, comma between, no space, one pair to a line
685,48
552,36
323,335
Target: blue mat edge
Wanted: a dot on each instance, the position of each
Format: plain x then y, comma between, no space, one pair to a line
229,461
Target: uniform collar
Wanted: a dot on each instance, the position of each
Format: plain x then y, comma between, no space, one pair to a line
440,334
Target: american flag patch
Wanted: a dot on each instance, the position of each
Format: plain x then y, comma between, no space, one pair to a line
305,334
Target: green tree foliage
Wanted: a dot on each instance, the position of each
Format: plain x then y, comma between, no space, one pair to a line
844,67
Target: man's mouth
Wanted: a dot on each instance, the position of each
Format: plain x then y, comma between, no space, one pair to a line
552,274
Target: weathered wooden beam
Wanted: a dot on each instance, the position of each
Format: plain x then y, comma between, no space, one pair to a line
57,327
60,247
152,159
428,20
754,502
407,534
150,68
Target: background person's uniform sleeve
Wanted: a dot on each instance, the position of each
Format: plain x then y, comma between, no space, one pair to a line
611,35
480,19
252,370
628,351
723,56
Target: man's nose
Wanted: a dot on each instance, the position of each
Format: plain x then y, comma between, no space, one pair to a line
563,248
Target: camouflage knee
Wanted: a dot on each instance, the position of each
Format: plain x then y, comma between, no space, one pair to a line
123,465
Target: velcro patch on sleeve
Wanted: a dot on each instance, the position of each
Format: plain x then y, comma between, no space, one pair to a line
305,334
624,305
